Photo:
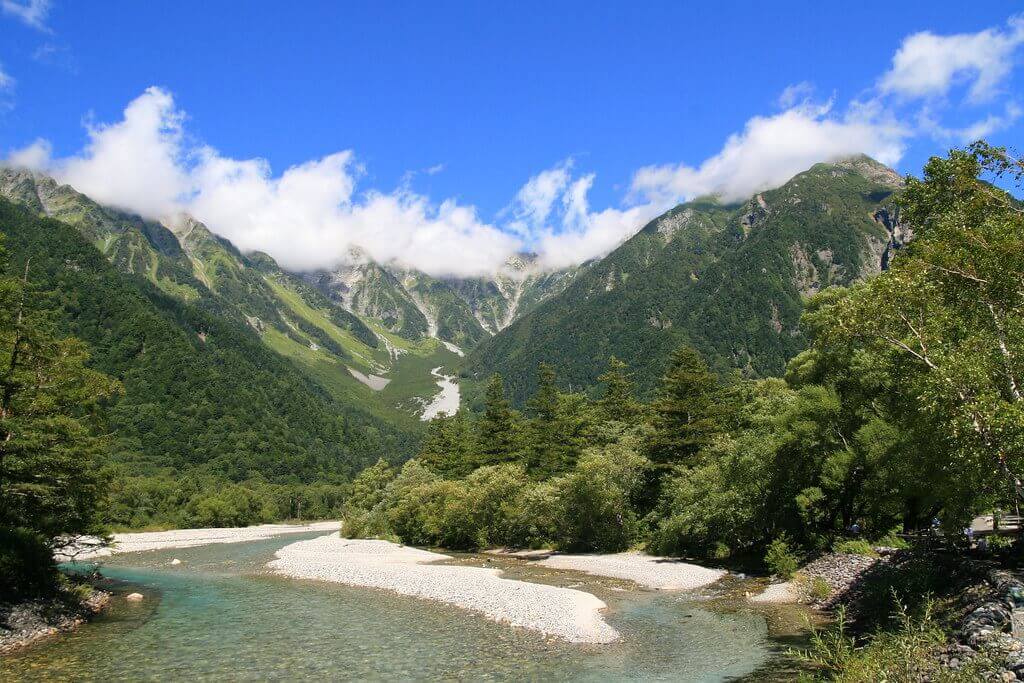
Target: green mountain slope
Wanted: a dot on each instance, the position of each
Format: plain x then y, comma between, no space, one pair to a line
728,279
202,393
332,345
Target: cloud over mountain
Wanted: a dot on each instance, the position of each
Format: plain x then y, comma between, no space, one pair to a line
310,215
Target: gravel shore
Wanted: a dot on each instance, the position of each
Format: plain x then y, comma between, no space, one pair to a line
662,573
187,538
563,613
25,623
779,593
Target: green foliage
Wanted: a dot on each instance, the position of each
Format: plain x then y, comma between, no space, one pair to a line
780,558
51,437
202,394
728,280
597,500
499,429
686,410
819,589
448,447
855,546
945,322
906,653
26,563
617,403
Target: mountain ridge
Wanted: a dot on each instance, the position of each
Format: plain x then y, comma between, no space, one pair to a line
728,279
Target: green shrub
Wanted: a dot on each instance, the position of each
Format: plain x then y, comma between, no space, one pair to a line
905,654
891,540
999,542
598,514
780,560
855,546
819,589
26,564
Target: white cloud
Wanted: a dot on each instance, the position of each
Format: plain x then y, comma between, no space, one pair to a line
930,65
794,94
6,80
772,149
982,128
31,12
135,164
533,202
552,214
309,217
34,157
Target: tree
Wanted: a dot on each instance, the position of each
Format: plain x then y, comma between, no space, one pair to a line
947,315
686,413
618,402
549,449
498,431
448,446
50,429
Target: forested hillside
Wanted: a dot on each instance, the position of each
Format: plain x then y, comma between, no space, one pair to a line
727,279
202,395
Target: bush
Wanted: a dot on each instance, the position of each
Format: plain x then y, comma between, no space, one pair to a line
819,589
26,564
908,653
998,542
780,560
855,546
596,500
891,540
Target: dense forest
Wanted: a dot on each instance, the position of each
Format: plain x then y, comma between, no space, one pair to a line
905,407
211,426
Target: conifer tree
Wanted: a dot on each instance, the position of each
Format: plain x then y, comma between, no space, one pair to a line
686,415
498,431
618,402
448,446
548,447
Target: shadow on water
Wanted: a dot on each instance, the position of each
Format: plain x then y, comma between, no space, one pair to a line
221,615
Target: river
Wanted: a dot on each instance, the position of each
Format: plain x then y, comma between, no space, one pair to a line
221,615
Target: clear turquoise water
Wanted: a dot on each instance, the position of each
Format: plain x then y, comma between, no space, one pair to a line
221,616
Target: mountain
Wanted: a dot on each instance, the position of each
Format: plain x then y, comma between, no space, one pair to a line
203,394
369,334
459,311
729,279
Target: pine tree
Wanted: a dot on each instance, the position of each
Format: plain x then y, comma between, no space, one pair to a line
618,402
498,431
548,448
448,446
686,415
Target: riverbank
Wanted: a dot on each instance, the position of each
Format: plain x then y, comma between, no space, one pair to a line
186,538
25,623
649,571
564,613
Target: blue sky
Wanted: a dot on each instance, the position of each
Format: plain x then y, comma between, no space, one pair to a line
440,115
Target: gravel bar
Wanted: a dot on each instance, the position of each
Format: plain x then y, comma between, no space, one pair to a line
563,613
662,573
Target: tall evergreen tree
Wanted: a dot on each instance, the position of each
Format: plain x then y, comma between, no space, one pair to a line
549,450
448,447
498,431
618,402
686,414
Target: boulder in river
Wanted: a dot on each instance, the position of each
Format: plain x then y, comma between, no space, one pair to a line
134,597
